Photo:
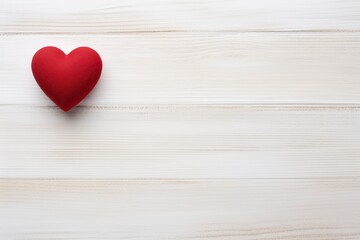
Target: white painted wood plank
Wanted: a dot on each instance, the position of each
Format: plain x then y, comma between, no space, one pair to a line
199,68
226,210
180,142
92,16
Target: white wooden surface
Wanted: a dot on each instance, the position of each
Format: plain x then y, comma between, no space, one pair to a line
261,68
212,120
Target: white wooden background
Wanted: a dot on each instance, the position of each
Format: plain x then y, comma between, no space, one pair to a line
231,119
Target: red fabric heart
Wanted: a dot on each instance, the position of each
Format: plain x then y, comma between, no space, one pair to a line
66,79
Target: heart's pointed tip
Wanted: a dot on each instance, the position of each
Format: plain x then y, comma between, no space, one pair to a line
65,109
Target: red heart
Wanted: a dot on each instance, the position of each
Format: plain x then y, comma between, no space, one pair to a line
66,79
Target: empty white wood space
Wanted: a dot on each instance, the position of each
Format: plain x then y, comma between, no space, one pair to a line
234,119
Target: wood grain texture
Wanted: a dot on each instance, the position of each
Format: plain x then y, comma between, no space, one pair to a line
229,120
227,210
220,68
180,142
92,16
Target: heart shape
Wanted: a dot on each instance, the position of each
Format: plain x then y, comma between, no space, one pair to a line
66,79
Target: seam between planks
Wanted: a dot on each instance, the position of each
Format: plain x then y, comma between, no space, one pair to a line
182,179
182,31
265,106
